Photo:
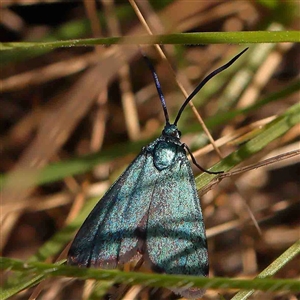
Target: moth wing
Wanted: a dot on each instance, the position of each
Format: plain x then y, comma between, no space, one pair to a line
113,231
176,239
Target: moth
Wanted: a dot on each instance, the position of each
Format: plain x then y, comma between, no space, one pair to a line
152,210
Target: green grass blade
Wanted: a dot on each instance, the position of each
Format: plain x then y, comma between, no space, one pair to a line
22,285
154,280
56,244
263,137
273,268
195,38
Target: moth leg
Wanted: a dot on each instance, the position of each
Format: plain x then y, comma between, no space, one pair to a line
195,162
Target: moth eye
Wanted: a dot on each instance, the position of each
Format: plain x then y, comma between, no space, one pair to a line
176,134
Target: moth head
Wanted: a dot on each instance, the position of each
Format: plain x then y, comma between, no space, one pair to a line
172,131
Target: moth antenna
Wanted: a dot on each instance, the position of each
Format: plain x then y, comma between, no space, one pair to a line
204,81
158,87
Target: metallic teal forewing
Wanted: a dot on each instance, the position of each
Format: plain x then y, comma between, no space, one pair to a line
113,231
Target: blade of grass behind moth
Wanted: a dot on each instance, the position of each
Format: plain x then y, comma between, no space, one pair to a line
260,140
54,245
273,268
263,75
232,94
266,162
127,96
99,123
38,289
76,208
22,285
224,117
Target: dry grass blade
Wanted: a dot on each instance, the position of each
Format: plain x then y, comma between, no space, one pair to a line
128,100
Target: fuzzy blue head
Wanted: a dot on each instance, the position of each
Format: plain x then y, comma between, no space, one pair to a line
171,131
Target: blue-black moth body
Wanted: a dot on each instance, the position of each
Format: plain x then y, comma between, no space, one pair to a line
153,210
